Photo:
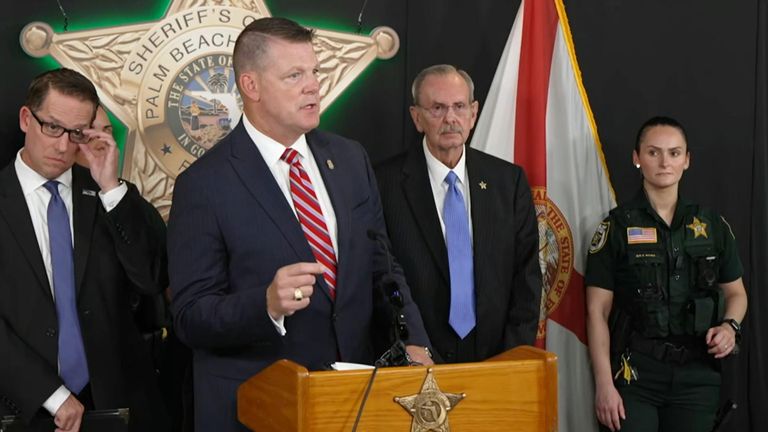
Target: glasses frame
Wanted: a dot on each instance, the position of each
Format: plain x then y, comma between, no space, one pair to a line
435,111
69,132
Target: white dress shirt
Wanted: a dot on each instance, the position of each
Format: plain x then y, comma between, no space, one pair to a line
437,173
271,151
37,198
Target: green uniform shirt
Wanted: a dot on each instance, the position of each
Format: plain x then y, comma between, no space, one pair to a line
664,276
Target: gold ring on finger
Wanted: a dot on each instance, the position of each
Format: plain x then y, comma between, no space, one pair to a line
298,295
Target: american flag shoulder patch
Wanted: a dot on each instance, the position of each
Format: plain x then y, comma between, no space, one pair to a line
637,235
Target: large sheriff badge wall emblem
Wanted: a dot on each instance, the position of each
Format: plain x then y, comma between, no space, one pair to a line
172,84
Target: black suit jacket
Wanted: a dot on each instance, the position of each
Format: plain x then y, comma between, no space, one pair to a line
115,253
505,245
231,228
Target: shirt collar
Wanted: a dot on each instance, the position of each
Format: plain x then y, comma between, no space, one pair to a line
270,149
641,201
437,170
30,179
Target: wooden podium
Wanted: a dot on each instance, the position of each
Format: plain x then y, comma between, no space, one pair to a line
514,391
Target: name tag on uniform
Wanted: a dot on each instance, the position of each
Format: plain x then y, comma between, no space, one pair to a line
638,235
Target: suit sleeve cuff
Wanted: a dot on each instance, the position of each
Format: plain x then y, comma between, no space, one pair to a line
111,199
279,324
56,400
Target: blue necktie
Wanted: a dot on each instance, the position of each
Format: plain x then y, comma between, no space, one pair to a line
459,245
73,365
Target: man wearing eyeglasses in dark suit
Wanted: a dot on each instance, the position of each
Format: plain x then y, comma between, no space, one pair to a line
463,226
74,242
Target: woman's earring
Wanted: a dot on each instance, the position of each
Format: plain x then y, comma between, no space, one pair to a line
637,166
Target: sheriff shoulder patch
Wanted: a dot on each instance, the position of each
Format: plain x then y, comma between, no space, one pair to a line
600,237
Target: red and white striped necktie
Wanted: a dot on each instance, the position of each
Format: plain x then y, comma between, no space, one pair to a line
311,217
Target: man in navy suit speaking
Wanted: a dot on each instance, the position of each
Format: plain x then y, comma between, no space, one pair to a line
269,252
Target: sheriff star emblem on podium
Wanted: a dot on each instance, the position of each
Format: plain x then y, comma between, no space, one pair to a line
172,84
429,408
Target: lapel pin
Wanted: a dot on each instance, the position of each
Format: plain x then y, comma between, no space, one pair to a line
330,164
88,192
483,185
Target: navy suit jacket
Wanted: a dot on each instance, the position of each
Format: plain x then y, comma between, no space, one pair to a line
505,250
230,229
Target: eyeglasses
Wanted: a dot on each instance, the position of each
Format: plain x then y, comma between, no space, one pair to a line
460,109
53,130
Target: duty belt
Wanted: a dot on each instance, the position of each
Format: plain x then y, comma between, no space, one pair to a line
666,351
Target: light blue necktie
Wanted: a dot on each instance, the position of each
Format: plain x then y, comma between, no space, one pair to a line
73,365
459,245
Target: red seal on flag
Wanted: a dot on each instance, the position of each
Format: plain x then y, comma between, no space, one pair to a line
555,254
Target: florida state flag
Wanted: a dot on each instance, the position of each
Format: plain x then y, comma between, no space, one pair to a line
537,115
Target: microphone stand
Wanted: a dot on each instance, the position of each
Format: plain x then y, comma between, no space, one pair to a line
396,354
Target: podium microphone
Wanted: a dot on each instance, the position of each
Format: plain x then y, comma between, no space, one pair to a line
365,398
396,355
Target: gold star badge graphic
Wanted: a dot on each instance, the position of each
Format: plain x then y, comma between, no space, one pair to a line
483,185
698,227
430,407
171,81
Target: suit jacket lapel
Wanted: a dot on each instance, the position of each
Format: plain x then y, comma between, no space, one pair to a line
482,230
85,207
257,178
323,152
418,192
13,208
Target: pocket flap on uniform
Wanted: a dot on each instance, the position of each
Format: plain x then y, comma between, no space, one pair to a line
701,251
703,314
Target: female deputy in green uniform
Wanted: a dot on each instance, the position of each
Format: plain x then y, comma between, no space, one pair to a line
665,298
